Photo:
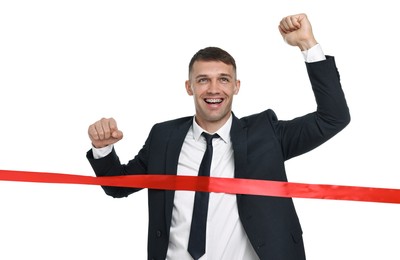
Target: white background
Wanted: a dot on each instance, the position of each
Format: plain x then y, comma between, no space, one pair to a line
66,64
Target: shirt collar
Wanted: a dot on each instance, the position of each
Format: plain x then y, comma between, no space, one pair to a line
223,132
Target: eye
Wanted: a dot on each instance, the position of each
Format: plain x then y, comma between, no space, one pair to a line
224,80
202,80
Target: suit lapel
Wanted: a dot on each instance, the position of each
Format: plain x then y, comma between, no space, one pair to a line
239,144
173,151
177,137
174,146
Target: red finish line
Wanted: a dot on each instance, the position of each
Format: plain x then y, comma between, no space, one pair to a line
214,184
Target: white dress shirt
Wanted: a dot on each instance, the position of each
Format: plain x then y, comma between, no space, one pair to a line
225,237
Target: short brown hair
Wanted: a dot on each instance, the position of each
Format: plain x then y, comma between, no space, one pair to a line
213,54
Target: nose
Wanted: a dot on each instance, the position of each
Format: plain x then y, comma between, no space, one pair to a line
213,87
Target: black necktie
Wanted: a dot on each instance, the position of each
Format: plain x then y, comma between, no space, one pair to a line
197,238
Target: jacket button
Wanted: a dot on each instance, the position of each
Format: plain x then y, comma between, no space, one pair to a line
158,233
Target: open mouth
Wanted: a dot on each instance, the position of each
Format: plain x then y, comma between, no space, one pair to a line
213,101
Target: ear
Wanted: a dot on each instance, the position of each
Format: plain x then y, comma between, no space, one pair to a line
188,88
237,87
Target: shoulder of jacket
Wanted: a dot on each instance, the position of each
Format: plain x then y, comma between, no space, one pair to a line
269,113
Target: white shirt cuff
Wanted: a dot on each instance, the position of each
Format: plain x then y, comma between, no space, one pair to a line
99,153
314,54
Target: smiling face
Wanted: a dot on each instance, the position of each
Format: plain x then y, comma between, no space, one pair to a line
212,85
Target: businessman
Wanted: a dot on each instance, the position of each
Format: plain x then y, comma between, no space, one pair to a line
199,225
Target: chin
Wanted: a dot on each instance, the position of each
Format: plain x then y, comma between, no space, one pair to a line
216,118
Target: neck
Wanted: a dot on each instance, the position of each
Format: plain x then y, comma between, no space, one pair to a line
212,126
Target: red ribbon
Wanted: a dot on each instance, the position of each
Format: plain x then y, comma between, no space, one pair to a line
214,184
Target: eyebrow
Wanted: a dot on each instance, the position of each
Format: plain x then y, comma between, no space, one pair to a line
219,75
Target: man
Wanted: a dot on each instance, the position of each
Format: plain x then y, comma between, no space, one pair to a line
254,147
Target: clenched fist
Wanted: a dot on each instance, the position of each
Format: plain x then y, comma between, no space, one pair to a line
104,132
296,31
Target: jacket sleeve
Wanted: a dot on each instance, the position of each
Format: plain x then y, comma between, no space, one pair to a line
110,165
304,133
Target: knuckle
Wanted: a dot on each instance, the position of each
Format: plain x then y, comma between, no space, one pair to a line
106,132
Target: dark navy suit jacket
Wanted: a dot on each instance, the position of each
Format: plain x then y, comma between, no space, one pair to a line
261,145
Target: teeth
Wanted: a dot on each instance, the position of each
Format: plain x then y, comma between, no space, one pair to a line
213,100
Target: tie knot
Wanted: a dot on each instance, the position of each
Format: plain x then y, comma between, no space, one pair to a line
209,137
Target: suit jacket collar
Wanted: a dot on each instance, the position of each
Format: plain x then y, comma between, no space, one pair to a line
238,138
175,143
239,144
173,151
